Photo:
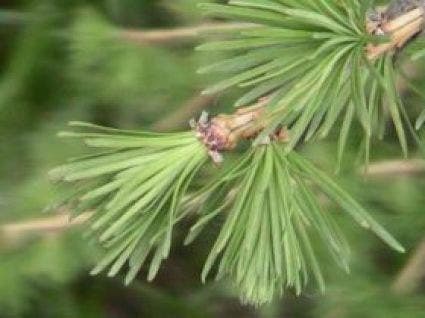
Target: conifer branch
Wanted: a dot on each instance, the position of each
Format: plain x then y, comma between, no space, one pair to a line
399,28
64,221
306,65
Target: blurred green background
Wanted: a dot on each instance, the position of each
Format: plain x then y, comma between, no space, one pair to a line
63,60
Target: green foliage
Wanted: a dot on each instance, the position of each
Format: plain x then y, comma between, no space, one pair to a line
309,59
136,185
135,188
265,243
64,60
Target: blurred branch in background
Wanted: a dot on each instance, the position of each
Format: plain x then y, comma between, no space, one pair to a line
396,168
11,17
413,273
157,37
146,37
14,232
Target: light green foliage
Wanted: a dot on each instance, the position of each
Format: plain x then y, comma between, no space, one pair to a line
264,244
134,186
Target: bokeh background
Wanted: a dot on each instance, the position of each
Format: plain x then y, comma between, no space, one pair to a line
63,60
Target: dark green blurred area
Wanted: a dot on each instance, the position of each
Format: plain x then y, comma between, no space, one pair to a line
65,60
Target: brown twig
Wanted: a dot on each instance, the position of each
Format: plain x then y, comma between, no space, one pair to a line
159,37
401,30
14,232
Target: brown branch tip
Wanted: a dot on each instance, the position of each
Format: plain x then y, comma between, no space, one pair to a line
224,132
400,29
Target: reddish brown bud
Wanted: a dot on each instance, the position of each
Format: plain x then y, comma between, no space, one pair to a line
223,132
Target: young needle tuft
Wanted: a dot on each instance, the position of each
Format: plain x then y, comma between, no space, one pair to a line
265,244
134,186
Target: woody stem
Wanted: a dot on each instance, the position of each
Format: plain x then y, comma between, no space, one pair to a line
401,29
